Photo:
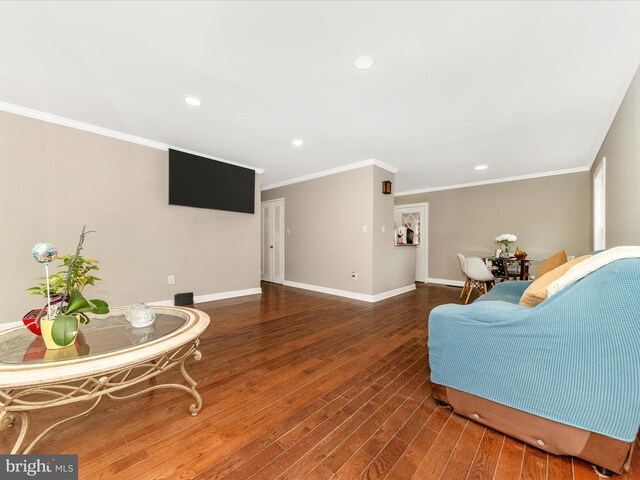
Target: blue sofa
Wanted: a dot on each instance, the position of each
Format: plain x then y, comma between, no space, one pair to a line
563,376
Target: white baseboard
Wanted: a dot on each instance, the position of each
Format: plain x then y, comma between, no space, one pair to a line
10,325
160,303
331,291
393,293
221,296
169,303
444,281
211,297
354,295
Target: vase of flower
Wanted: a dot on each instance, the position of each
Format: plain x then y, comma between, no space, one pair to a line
505,241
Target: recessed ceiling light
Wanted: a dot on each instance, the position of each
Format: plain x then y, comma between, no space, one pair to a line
363,62
480,167
196,102
297,142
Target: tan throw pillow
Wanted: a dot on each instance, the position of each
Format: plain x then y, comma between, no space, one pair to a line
537,292
552,262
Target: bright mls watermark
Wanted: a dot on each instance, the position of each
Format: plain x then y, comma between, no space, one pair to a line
49,467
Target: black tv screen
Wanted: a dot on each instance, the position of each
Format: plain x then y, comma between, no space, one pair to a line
201,182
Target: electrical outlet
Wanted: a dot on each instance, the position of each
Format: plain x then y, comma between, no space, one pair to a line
354,275
383,229
171,279
364,229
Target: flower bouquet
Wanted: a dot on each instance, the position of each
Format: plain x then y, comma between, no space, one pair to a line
506,240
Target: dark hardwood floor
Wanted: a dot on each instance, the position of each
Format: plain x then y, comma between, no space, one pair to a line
304,385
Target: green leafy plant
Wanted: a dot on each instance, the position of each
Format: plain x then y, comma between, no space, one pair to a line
81,276
65,325
66,288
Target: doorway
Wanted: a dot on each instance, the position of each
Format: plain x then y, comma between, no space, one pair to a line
272,252
416,217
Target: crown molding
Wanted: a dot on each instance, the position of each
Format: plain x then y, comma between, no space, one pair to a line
385,166
496,180
332,171
87,127
230,162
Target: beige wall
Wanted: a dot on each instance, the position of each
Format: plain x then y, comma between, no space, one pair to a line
393,267
547,214
324,218
621,147
56,179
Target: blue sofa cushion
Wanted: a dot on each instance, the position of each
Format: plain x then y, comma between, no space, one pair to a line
510,292
574,358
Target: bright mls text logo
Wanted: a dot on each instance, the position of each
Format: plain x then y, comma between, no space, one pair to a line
50,467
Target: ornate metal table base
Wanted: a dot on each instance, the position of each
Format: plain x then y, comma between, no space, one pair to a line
20,401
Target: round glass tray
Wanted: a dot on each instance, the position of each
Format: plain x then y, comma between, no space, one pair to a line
102,335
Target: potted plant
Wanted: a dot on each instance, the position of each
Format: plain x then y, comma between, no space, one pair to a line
67,307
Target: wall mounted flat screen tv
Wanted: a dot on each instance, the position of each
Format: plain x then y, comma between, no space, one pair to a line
201,182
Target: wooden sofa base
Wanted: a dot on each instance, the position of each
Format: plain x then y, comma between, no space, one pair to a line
553,437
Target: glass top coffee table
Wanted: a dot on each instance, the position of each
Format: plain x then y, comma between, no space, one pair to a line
108,356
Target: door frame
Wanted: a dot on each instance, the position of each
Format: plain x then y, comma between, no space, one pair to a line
282,231
599,205
425,229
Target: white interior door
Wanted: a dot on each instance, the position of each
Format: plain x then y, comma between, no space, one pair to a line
415,216
272,257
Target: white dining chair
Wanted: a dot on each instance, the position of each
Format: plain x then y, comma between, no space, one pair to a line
479,275
463,267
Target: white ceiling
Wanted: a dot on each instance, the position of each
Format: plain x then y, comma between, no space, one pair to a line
525,88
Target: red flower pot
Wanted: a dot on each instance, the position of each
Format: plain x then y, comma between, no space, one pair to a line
29,321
